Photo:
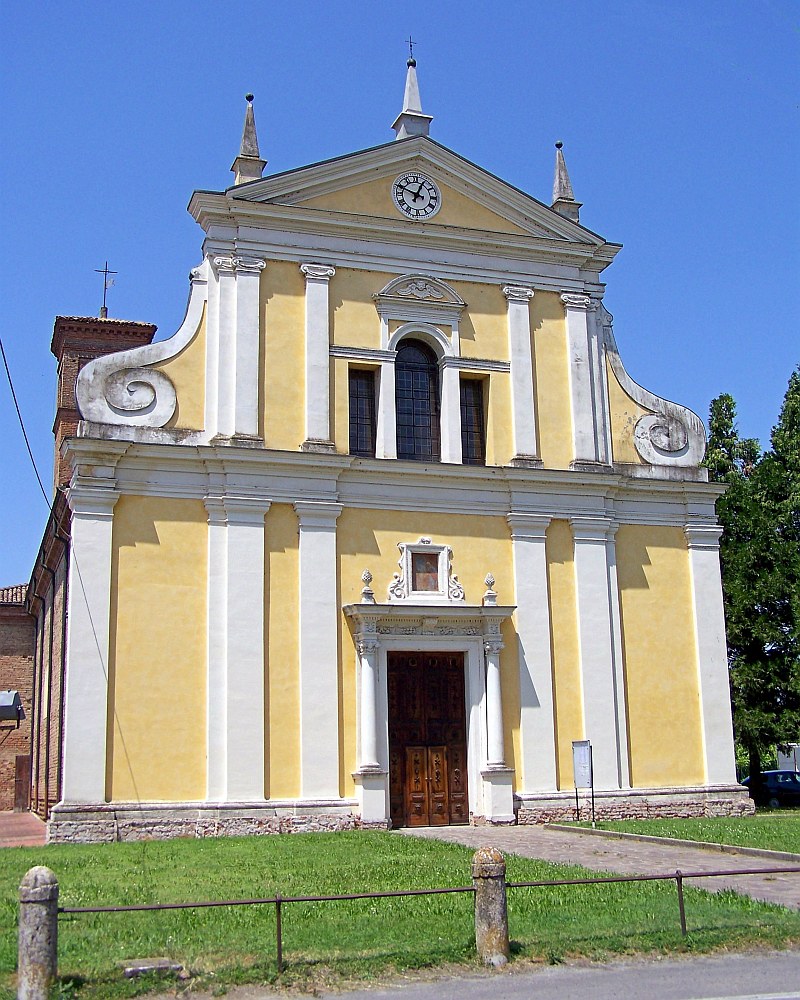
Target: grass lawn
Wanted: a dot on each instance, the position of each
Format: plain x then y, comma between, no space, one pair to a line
329,941
773,829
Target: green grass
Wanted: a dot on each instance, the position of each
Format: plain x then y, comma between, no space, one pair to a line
773,830
329,941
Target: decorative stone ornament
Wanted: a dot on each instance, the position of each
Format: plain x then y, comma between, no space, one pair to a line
416,195
425,575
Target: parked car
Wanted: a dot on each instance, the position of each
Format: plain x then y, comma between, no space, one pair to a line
776,788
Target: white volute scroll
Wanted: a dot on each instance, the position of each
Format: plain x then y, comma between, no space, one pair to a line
124,389
671,434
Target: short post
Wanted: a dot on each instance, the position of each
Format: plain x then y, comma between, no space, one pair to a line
37,965
681,907
491,912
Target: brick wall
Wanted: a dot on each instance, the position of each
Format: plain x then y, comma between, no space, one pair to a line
16,674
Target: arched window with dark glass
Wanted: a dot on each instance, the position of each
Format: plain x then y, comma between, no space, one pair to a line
417,402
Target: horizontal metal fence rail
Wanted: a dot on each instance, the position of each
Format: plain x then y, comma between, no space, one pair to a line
278,901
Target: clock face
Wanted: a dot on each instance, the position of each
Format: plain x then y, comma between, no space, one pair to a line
416,195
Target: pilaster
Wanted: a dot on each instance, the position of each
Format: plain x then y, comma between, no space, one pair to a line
587,383
236,731
526,448
601,667
318,436
319,652
450,429
537,721
712,659
386,430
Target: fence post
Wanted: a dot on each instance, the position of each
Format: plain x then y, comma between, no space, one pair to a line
38,934
491,912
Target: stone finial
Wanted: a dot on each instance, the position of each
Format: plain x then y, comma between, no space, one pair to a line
411,121
490,597
248,165
563,198
367,593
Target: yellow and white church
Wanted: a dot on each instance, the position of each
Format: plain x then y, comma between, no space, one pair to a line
386,525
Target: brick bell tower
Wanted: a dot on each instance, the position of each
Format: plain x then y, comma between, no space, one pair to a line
76,341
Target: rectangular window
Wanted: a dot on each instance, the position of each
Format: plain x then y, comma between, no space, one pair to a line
473,427
362,412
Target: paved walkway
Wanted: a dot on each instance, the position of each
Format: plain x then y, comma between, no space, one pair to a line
21,830
628,857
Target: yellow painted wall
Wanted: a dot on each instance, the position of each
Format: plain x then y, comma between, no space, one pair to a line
282,643
483,326
354,318
663,696
499,416
551,373
367,539
187,372
375,198
156,746
282,388
624,414
564,646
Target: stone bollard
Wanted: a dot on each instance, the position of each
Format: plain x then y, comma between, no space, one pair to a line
491,913
38,934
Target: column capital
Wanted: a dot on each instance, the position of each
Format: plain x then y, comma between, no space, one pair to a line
321,514
528,526
518,293
239,264
93,501
582,302
318,272
596,529
493,645
367,645
236,510
703,536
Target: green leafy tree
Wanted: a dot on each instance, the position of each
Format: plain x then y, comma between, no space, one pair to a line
760,557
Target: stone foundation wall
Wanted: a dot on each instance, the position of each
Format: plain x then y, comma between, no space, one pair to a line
108,824
636,803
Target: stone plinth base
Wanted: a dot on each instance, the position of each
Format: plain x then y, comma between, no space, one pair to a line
109,822
635,803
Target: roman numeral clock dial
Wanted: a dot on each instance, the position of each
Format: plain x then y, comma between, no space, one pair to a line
416,195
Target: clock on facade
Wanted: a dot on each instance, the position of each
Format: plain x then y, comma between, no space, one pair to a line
416,195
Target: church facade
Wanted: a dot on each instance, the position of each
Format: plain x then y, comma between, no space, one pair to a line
386,526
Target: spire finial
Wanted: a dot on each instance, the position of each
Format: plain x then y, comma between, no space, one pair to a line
248,165
411,121
563,198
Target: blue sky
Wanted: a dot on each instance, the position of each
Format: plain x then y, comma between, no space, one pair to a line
679,119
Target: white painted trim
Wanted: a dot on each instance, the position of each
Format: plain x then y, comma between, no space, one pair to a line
124,389
450,416
431,335
386,429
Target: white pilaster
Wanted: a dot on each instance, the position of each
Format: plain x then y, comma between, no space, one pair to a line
235,335
236,709
537,724
450,421
248,325
386,430
89,605
368,701
584,375
319,652
601,711
522,391
709,625
318,436
495,745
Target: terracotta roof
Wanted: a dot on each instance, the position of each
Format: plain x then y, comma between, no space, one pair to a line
13,595
106,321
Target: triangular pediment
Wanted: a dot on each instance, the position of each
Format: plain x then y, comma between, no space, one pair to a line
360,184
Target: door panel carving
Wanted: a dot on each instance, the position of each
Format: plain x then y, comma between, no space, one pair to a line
427,739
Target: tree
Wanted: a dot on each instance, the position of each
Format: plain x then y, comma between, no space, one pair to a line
760,558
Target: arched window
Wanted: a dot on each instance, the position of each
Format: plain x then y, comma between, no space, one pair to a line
417,402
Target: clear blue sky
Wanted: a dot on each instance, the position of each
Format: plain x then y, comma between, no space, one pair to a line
679,119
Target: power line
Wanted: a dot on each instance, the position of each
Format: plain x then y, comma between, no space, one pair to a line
22,424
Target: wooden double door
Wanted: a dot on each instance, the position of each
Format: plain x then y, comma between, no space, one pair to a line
427,739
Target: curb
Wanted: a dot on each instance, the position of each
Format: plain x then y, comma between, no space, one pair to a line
753,852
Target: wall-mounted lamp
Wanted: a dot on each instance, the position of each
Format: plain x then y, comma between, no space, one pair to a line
11,709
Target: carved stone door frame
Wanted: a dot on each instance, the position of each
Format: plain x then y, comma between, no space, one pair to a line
474,631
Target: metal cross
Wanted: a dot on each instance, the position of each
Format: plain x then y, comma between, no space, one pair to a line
106,284
410,41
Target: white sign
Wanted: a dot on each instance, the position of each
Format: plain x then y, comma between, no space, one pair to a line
582,763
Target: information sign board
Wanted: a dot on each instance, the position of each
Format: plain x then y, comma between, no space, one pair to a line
582,763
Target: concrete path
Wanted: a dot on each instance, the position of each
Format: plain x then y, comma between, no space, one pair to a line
21,830
627,857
